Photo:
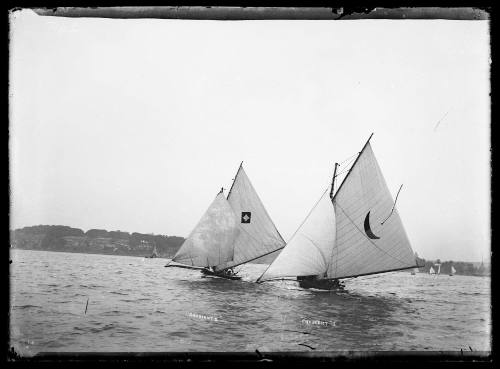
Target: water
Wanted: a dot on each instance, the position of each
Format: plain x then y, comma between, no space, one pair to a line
135,304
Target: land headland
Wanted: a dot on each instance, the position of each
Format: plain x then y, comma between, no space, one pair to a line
99,241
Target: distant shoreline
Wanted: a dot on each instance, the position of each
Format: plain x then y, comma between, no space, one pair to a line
90,253
61,238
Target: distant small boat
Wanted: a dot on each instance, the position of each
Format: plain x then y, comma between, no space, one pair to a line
431,271
453,271
414,271
154,254
438,265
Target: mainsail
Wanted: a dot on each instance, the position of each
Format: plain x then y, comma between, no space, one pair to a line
368,235
453,271
211,241
257,235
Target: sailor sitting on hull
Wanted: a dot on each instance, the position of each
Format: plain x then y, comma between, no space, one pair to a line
225,272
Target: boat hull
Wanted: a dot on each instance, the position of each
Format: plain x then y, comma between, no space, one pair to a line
321,284
220,275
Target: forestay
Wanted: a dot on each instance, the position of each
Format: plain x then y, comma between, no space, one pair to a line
309,250
211,241
363,244
257,235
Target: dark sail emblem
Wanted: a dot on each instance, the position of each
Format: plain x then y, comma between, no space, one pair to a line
246,216
368,230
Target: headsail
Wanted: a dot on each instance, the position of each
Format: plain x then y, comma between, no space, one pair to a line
258,235
431,271
309,250
363,245
211,241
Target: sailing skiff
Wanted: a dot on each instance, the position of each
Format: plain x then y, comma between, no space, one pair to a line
233,231
356,232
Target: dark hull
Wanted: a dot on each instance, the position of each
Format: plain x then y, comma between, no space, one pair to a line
321,284
220,275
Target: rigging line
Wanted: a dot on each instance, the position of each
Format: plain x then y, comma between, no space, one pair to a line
350,157
392,206
342,171
314,207
346,166
385,252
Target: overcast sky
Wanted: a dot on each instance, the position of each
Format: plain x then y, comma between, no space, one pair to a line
135,125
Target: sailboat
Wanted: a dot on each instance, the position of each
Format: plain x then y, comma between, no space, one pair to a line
453,271
356,232
414,271
431,271
233,231
438,265
154,254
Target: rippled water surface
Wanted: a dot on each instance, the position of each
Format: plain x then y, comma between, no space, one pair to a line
135,304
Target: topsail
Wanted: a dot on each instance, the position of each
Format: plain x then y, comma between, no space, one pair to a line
357,232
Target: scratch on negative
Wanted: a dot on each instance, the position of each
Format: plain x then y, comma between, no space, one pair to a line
439,121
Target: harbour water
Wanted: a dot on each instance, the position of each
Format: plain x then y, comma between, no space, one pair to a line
87,302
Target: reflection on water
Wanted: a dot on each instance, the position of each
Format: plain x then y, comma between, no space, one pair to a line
135,304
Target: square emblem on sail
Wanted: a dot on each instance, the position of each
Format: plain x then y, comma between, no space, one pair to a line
246,216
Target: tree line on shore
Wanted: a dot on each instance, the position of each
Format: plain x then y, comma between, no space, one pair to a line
58,237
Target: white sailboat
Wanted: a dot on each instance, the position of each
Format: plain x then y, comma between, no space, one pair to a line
438,265
233,231
354,233
431,271
453,271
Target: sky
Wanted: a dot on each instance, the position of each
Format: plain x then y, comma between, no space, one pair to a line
135,124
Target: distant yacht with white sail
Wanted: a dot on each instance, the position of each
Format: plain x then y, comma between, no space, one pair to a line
438,266
356,232
453,271
233,231
431,271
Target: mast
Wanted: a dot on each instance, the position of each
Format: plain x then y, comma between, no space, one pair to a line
234,179
352,166
333,180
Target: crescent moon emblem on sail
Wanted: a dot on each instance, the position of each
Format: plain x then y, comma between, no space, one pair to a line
368,230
